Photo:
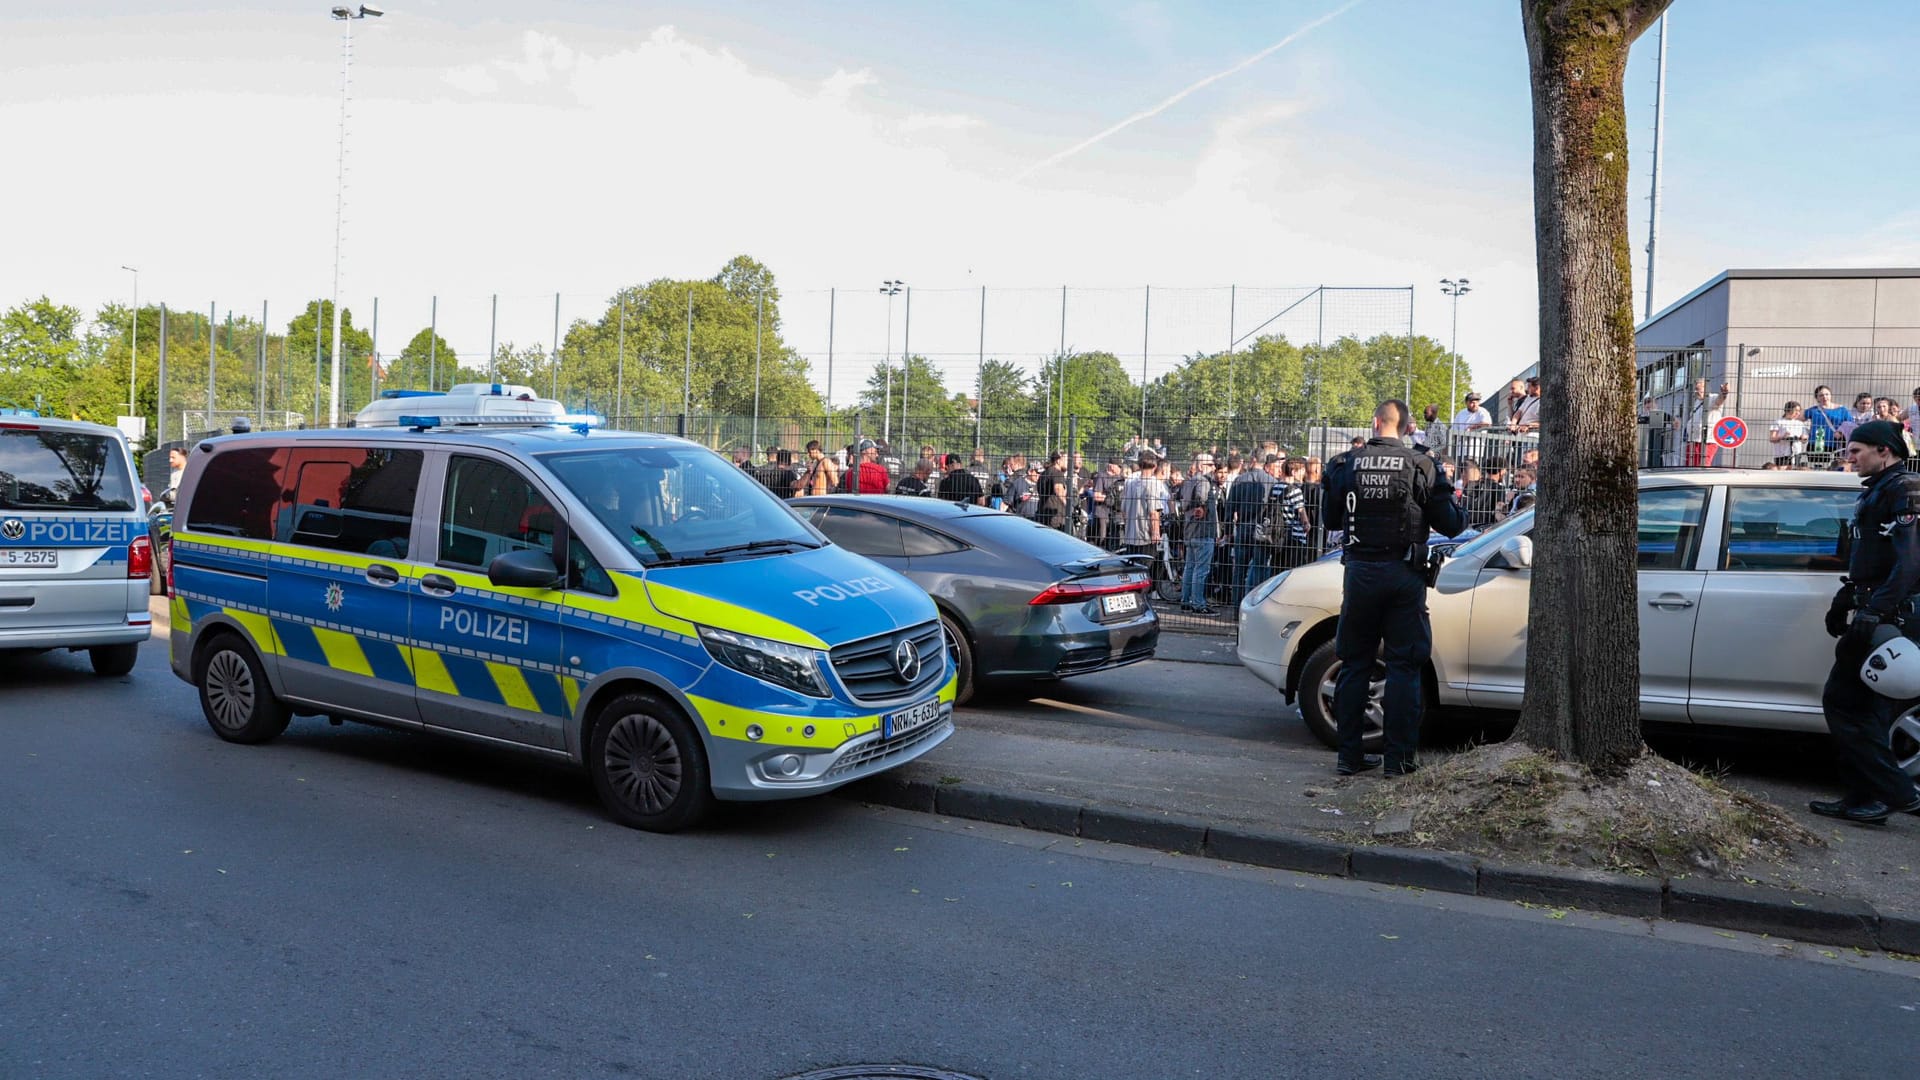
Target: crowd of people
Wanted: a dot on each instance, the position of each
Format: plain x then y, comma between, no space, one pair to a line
1815,435
1221,521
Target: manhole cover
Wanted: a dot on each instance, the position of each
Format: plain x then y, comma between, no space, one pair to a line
882,1073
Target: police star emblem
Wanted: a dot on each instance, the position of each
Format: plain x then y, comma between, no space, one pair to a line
335,596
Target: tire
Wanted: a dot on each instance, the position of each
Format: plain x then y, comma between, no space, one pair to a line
234,693
961,649
648,764
1166,580
1315,696
113,661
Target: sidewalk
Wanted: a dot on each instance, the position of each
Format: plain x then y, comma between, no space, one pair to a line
1138,774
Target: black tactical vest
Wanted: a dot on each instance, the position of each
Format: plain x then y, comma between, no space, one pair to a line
1386,502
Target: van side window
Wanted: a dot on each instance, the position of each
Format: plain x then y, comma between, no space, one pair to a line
488,510
239,493
350,499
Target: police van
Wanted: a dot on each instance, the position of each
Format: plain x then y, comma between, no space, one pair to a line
627,602
75,555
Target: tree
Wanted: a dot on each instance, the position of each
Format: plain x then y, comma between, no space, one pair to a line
427,363
356,346
919,391
1583,702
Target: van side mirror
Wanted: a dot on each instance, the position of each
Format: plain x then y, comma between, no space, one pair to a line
530,568
1514,553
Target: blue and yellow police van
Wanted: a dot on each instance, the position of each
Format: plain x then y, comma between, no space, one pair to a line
631,603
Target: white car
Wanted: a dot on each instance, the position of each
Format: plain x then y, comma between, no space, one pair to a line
1737,568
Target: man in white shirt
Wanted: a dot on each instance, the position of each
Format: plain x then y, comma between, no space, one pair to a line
1470,419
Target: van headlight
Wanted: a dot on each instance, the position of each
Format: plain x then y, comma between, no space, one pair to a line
789,666
1265,589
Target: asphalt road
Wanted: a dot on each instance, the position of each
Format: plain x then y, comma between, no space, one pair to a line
353,902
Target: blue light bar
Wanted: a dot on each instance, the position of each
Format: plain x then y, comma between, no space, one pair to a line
578,422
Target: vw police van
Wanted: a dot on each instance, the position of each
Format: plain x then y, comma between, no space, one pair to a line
74,551
628,602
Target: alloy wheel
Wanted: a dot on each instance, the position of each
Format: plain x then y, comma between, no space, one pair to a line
1376,722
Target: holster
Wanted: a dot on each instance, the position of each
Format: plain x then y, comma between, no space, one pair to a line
1427,561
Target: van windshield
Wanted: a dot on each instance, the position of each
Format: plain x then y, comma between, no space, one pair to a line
50,469
676,505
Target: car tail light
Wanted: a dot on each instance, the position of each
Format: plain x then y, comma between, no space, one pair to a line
1073,592
146,495
140,557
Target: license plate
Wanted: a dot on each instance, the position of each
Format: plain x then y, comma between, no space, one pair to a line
1117,603
918,716
29,557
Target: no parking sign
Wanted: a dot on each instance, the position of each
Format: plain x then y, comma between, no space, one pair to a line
1730,432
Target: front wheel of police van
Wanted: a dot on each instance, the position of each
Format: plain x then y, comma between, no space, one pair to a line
234,693
649,765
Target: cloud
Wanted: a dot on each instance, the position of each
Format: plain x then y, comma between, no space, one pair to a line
473,78
913,122
580,167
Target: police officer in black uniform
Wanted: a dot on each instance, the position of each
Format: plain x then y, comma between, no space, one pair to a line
1882,581
1386,496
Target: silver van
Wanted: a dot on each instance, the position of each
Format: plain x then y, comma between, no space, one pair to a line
75,554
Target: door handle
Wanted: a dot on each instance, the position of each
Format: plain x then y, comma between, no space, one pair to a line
1670,600
382,574
438,585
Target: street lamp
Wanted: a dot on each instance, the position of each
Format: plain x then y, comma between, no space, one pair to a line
133,350
346,17
1456,289
890,288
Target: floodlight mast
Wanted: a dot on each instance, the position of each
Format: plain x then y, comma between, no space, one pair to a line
346,17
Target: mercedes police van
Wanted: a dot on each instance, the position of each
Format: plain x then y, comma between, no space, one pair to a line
628,602
75,556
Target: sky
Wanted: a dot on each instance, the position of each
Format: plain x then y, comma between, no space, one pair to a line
573,147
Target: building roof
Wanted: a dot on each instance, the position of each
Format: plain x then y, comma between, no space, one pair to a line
1778,273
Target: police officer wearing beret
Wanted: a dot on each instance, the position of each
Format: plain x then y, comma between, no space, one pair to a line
1386,496
1882,580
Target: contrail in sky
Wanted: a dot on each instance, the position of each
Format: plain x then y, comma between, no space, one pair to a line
1175,99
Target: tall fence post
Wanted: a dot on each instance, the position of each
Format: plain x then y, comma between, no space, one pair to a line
433,345
1146,336
832,300
980,373
1739,385
759,311
620,362
906,368
160,400
1233,305
686,379
373,362
213,347
260,383
553,372
1073,478
493,331
319,316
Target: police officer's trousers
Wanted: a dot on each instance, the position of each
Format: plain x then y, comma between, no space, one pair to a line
1384,614
1861,722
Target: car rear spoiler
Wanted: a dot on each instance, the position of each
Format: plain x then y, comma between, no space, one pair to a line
1100,564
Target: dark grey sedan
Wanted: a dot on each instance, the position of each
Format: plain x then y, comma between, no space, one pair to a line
1021,602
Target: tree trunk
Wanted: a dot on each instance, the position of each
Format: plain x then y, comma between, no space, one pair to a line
1583,647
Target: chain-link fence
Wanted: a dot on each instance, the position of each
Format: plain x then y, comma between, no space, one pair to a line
1204,358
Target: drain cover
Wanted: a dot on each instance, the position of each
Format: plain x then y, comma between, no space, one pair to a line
882,1073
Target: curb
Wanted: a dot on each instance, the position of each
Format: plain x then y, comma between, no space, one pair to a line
1826,920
